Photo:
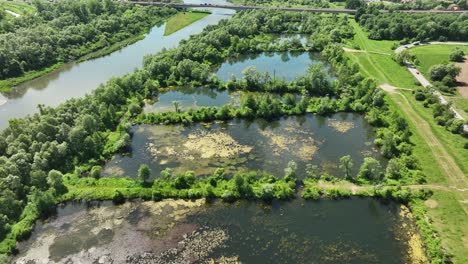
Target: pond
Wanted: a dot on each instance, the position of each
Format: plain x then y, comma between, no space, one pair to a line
280,65
178,231
189,98
248,145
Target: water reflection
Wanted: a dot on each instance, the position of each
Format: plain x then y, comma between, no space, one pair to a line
77,79
280,65
193,231
248,145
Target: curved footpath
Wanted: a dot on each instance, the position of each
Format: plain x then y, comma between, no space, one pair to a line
423,81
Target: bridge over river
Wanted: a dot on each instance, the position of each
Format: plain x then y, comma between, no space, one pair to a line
293,9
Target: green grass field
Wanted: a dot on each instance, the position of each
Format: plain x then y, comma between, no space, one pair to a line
449,220
452,142
17,7
436,54
181,20
448,217
461,104
430,55
377,62
421,149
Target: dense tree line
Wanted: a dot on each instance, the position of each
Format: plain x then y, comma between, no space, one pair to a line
442,113
193,60
66,30
423,5
305,3
408,27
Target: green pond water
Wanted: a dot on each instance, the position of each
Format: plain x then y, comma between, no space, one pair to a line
280,65
190,98
248,145
348,231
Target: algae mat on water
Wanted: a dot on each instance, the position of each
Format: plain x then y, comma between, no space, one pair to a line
181,20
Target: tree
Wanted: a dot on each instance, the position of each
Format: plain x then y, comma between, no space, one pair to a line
346,165
462,4
395,169
312,171
370,169
252,76
290,171
134,109
439,71
144,172
55,181
96,172
176,105
267,192
354,4
457,55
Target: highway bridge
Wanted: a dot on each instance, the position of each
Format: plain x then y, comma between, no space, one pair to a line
293,9
242,7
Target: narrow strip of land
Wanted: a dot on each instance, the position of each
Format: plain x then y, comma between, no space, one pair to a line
455,176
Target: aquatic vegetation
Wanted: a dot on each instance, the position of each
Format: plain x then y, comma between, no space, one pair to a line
341,126
194,247
410,233
214,145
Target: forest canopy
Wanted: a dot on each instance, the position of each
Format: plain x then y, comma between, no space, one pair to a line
423,27
66,30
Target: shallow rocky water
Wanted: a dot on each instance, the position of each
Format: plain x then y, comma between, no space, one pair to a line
177,231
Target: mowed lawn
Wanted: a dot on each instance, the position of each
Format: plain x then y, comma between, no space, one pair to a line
181,20
377,61
430,55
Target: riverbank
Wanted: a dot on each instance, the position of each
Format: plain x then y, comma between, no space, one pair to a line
183,19
7,85
175,23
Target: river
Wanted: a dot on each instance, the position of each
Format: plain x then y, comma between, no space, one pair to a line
74,80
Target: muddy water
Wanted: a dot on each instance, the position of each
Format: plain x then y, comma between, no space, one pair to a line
351,231
245,145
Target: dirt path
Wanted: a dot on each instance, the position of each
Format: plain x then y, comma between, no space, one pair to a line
457,181
364,51
462,78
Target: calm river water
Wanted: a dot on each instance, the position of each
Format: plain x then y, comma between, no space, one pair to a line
77,79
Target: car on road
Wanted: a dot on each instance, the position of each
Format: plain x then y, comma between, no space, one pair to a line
417,72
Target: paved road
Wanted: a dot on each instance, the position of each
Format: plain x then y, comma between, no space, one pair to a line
424,82
293,9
